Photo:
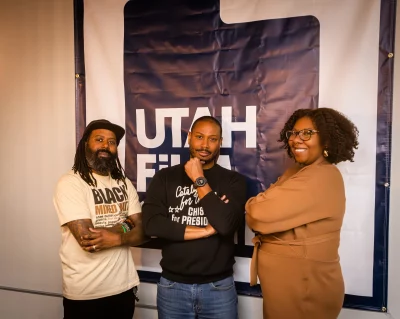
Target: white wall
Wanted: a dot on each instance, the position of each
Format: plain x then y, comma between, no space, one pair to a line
37,135
37,139
38,127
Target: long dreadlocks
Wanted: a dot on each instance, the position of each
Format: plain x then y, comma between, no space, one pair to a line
81,165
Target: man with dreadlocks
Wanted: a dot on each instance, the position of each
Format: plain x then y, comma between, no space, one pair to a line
100,217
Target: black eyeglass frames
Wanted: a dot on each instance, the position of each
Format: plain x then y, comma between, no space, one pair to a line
304,135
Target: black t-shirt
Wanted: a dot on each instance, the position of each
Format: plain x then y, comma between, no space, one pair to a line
172,203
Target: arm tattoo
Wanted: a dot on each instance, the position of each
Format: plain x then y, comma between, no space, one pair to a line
79,228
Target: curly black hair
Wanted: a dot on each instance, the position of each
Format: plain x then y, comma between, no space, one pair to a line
338,135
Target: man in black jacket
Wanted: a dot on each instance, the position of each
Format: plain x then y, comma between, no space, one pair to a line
196,208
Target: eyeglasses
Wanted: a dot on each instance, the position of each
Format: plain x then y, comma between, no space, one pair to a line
304,135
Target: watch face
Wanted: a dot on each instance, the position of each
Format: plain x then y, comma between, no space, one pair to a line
201,181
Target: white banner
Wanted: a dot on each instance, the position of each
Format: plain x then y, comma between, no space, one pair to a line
348,82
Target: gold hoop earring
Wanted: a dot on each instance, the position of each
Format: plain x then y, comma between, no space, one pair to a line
325,153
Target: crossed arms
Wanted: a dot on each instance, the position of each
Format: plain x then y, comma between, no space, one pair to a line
224,213
96,239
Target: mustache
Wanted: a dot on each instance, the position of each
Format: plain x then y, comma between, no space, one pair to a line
103,151
203,150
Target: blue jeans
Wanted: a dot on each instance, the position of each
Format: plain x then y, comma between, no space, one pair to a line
214,300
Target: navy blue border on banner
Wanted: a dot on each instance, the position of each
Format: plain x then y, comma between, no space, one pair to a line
80,92
383,154
383,157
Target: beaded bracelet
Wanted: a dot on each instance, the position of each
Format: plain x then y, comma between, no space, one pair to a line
125,227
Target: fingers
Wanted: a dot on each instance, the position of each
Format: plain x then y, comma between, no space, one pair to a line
192,160
89,243
195,161
101,241
224,199
91,236
92,249
194,168
198,161
95,233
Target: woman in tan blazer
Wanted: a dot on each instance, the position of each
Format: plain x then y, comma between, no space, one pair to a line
297,220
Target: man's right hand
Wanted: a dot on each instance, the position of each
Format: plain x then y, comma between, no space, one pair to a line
100,239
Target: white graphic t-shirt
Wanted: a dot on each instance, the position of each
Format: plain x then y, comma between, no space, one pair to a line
103,273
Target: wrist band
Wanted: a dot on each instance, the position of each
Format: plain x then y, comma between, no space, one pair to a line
129,223
123,228
126,227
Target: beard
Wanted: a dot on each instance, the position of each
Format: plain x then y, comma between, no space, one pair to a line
212,158
102,165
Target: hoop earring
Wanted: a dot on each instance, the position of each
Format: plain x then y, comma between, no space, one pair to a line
325,152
